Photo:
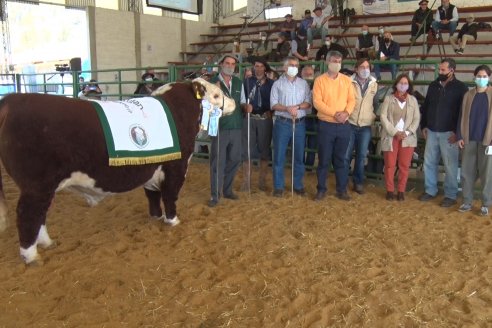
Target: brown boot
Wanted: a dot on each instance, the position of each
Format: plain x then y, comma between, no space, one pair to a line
262,176
246,176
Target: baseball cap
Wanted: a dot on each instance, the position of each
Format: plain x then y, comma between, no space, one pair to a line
307,11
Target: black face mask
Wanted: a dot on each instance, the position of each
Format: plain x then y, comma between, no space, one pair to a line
443,77
386,40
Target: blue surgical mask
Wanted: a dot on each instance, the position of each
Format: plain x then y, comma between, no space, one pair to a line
482,82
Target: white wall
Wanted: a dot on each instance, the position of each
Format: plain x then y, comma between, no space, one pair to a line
122,39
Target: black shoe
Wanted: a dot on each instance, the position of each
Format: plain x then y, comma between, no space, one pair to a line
390,195
232,196
319,196
425,197
460,51
300,192
213,202
278,193
358,188
400,197
448,202
342,196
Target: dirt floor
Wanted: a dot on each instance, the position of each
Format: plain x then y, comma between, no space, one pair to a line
256,262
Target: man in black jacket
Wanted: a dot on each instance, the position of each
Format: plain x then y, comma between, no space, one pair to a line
468,32
421,21
328,46
439,121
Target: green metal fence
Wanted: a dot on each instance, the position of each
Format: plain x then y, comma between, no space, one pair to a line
120,83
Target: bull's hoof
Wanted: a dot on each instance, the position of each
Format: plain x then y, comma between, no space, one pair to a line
50,245
172,222
30,255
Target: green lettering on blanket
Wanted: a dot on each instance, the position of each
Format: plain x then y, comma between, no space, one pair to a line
138,131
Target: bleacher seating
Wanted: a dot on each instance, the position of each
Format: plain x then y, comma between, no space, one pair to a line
397,23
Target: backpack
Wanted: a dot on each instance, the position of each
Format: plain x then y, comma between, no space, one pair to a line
483,25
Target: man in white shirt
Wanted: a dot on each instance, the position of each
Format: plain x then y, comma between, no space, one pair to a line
319,25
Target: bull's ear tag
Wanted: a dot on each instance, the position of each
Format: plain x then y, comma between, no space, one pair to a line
198,96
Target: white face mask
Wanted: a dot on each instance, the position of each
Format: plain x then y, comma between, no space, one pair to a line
292,71
402,87
334,67
228,71
364,73
327,43
381,31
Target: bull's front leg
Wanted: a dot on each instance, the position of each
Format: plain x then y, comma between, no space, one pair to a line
173,181
31,224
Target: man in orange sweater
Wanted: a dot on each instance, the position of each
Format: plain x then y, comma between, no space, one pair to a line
334,98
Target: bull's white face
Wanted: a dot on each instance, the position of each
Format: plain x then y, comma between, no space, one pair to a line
216,97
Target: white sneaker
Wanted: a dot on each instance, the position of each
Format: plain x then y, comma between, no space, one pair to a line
465,208
484,211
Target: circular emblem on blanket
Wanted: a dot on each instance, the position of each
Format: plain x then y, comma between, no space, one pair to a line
138,136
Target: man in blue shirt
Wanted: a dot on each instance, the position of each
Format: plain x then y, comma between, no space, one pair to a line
291,100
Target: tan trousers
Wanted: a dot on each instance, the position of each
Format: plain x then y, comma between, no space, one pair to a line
464,39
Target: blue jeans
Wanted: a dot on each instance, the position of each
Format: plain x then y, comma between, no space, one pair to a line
360,136
437,146
311,140
393,68
314,31
436,26
333,141
282,135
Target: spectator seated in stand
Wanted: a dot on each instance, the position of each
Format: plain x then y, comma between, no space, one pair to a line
307,21
389,50
147,86
300,46
365,44
91,91
328,46
446,19
288,27
319,25
467,33
421,21
282,50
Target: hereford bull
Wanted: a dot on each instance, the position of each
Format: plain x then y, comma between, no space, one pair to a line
48,143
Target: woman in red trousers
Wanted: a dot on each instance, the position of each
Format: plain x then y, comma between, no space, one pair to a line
400,118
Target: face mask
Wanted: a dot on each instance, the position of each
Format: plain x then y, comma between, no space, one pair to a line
469,21
387,40
228,71
236,44
402,87
381,31
292,71
334,67
364,32
263,38
327,43
364,73
482,82
443,77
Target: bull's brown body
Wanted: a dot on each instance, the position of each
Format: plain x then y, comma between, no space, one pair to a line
45,138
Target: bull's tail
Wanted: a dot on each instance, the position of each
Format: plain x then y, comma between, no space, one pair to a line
3,207
3,203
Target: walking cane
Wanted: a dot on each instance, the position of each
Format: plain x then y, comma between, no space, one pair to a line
292,160
248,118
218,160
249,152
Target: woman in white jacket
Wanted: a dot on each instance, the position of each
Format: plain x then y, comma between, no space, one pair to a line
400,118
